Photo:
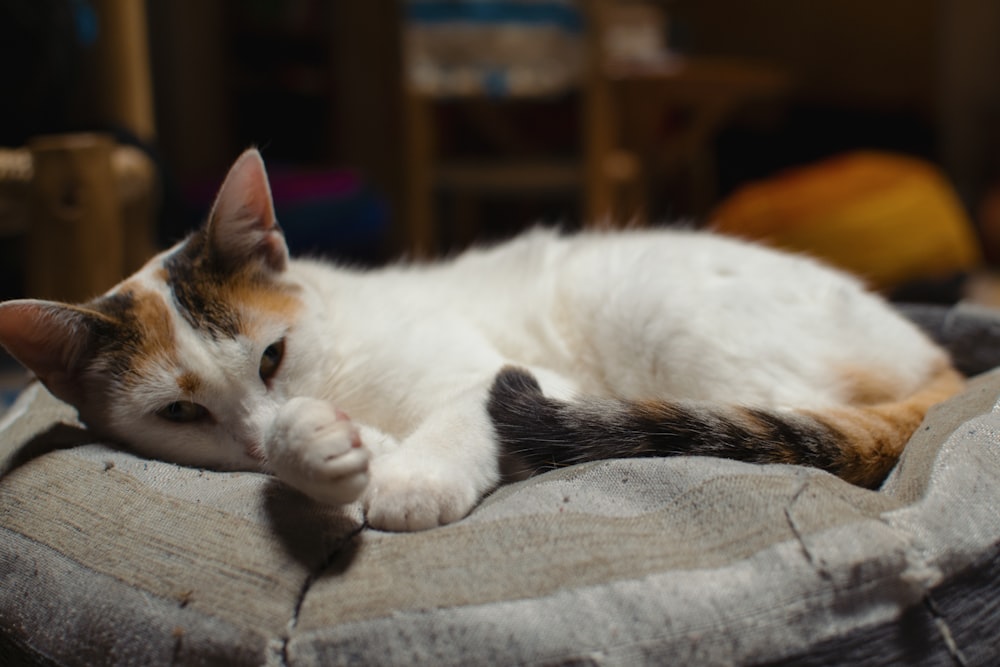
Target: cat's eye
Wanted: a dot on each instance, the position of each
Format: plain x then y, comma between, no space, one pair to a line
183,412
271,360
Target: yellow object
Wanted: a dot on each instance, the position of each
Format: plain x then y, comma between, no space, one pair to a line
887,218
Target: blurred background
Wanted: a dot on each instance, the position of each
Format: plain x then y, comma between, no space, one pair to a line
863,132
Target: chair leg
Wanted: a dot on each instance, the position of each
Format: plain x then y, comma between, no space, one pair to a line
74,242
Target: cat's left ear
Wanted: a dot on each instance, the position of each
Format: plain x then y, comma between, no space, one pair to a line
242,226
53,340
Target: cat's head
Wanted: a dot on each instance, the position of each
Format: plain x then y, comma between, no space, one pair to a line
188,358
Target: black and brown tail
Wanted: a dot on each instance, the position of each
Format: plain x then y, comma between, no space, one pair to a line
857,443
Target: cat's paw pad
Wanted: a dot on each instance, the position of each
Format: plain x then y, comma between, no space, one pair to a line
316,449
405,497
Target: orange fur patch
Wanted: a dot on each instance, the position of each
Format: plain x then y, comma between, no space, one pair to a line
150,314
250,295
873,437
138,331
862,386
188,383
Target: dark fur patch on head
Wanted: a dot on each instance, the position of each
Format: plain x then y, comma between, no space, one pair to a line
211,294
194,278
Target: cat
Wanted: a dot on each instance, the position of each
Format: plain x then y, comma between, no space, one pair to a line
415,387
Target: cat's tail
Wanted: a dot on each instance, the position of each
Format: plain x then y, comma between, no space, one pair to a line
857,443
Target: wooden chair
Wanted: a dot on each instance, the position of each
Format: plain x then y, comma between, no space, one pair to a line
620,149
86,206
426,173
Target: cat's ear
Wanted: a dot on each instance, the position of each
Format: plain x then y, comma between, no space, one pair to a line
242,226
50,339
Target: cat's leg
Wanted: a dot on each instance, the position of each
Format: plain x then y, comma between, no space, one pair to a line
438,474
318,450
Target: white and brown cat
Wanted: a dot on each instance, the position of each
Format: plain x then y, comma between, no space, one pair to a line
408,386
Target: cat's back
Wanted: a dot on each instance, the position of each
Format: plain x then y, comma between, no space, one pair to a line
688,312
716,317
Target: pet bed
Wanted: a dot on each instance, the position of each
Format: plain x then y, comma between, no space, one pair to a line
106,557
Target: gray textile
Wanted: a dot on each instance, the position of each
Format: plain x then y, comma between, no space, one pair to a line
971,333
109,558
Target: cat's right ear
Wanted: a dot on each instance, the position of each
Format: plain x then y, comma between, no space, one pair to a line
242,226
50,339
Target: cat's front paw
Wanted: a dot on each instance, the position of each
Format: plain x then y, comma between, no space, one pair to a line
404,495
316,449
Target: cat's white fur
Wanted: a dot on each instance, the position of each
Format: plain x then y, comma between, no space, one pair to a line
409,353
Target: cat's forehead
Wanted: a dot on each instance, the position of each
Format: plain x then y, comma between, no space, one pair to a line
221,303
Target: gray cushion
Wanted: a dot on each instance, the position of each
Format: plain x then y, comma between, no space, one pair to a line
106,557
